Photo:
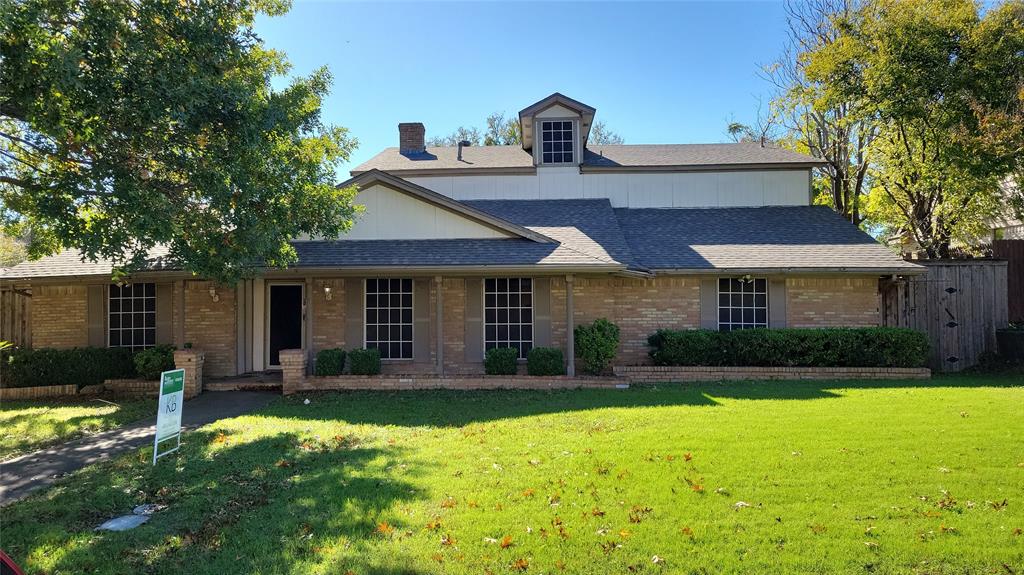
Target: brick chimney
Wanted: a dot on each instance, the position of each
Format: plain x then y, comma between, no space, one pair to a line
411,138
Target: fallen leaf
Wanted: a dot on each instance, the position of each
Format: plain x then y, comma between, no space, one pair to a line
506,542
624,533
520,564
687,532
448,502
447,540
528,492
597,512
656,560
283,463
560,565
688,456
434,524
740,505
384,529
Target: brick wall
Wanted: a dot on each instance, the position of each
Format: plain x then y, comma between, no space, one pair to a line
329,316
455,329
210,326
639,307
59,316
832,302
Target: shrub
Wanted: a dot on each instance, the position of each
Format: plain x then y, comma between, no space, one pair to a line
364,361
149,363
76,366
596,345
330,362
829,347
501,361
545,361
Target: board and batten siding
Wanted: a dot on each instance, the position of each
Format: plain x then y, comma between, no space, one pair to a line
700,189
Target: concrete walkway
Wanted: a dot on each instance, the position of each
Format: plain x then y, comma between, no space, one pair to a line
20,476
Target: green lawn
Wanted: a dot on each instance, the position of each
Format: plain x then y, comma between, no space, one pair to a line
26,426
776,477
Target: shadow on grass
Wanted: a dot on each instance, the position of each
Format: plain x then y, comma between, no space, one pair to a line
260,506
456,408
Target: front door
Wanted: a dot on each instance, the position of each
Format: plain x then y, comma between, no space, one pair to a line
285,320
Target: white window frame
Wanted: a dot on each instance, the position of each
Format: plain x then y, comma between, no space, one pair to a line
742,306
121,329
574,141
533,315
411,323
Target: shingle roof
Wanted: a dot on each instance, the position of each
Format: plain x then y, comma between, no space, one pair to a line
590,233
70,263
596,156
440,253
587,226
778,238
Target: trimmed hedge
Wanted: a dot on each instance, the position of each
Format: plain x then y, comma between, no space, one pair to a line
828,347
364,361
545,361
76,366
501,361
150,363
330,362
596,345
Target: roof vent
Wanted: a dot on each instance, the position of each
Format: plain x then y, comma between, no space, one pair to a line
463,144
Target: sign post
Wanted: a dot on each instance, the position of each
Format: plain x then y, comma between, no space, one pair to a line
168,415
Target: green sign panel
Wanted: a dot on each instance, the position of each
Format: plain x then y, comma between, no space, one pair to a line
168,415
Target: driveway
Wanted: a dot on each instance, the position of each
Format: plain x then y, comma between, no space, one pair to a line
20,476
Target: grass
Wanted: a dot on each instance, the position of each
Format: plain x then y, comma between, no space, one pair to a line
26,426
840,477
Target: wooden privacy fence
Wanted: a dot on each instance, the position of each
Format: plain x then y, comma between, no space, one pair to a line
958,303
15,317
1013,252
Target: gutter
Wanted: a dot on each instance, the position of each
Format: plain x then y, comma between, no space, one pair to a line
915,270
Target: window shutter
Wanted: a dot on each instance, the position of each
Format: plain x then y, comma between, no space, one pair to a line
355,308
709,303
96,315
542,312
777,303
164,292
474,344
421,320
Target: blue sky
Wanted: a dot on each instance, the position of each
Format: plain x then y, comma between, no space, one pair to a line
656,72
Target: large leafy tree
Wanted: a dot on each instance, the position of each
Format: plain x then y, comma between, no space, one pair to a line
817,120
131,124
944,84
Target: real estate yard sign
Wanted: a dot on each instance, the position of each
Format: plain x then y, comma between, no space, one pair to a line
168,415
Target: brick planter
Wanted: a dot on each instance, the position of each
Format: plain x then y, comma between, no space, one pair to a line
132,386
655,373
15,393
192,362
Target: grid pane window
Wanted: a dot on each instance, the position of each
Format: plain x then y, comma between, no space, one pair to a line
742,304
557,142
508,314
131,316
389,317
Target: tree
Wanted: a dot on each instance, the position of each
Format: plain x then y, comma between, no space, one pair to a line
128,124
503,131
819,121
945,87
12,252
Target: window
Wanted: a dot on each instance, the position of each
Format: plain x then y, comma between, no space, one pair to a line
742,303
508,314
389,317
131,319
557,142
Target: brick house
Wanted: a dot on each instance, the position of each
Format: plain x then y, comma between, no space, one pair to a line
465,248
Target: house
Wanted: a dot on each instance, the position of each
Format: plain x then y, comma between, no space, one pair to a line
461,249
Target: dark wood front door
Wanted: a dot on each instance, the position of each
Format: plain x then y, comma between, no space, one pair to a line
285,320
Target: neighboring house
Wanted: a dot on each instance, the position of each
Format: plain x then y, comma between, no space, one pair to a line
465,248
1008,227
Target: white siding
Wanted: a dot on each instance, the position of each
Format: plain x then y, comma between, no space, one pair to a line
634,190
393,215
556,111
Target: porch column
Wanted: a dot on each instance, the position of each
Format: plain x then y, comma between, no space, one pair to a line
439,282
570,328
308,312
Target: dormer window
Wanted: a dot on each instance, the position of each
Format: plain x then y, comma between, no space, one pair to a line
557,141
